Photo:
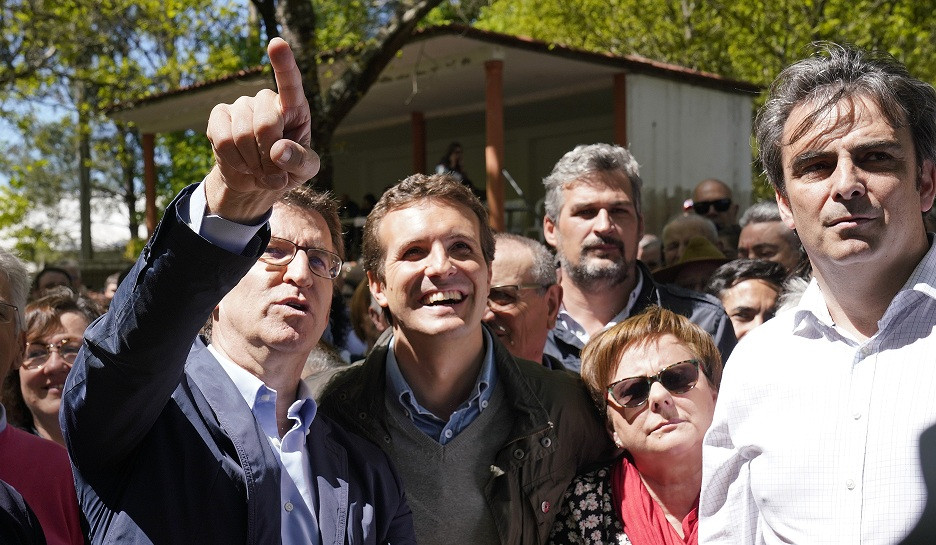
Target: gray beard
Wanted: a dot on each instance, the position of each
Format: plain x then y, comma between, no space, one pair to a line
590,276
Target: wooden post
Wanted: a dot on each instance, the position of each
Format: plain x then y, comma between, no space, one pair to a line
149,181
494,146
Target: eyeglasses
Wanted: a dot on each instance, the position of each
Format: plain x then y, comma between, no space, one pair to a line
7,312
506,296
678,378
701,207
280,252
37,354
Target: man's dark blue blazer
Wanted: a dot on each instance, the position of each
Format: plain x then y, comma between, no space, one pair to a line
164,448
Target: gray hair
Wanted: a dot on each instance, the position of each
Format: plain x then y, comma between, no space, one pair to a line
543,267
760,212
835,73
583,161
18,278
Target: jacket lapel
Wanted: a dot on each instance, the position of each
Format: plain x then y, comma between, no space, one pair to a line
261,469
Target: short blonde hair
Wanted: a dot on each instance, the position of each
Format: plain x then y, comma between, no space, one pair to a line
602,354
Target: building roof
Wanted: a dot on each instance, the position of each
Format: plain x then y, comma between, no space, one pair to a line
439,72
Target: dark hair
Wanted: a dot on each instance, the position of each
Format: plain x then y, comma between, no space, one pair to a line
43,316
34,288
739,270
445,160
835,73
322,202
420,187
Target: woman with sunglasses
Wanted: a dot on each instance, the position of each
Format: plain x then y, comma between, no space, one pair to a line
55,324
655,376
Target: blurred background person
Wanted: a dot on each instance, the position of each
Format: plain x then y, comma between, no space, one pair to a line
712,198
765,236
650,251
680,230
749,290
655,376
451,164
367,318
32,394
694,267
524,298
47,278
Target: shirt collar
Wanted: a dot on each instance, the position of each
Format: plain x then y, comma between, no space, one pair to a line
566,321
253,389
482,389
812,309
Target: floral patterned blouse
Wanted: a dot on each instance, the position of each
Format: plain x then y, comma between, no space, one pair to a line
588,515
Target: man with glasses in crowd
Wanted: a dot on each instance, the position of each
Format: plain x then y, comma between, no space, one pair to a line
594,221
524,299
712,198
816,433
486,443
176,441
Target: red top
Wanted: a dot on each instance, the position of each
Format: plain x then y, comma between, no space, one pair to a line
40,471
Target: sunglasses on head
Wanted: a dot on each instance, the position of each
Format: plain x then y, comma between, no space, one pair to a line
678,378
701,207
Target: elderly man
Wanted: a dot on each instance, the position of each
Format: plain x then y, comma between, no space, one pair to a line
748,289
176,441
36,468
524,299
816,432
680,230
712,198
650,251
765,236
593,219
486,443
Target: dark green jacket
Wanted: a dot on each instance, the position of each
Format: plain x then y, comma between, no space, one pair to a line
556,432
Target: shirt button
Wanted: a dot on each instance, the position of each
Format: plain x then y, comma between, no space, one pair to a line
484,404
545,506
288,507
448,434
518,454
850,484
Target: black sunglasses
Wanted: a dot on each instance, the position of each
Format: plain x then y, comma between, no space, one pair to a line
678,378
701,207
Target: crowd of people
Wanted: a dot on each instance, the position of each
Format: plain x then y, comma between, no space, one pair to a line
591,389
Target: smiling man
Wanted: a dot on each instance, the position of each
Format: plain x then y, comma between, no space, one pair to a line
175,441
486,443
815,436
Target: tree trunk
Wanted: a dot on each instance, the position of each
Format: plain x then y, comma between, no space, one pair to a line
84,171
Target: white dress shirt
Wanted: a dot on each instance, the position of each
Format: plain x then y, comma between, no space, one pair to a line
815,435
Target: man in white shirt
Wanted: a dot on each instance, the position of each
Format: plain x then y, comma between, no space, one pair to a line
816,432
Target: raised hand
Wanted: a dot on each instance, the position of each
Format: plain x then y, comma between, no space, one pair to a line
261,144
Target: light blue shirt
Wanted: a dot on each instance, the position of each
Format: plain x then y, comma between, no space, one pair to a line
466,413
297,496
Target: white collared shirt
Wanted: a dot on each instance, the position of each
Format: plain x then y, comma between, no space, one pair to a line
815,435
299,523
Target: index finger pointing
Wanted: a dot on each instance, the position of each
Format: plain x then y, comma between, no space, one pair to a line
286,72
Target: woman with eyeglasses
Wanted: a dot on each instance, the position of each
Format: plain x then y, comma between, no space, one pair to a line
655,376
55,324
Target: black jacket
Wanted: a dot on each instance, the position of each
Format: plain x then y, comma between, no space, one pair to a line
702,309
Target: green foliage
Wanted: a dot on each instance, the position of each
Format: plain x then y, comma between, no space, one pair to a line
64,61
